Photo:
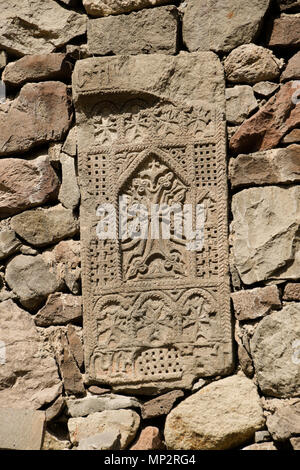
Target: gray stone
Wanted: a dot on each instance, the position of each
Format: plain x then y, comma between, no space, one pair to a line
221,26
41,227
262,436
74,336
9,244
31,279
265,89
285,422
275,350
125,422
21,429
251,64
55,409
255,303
37,27
111,7
28,374
69,194
223,415
106,440
148,31
41,113
51,442
60,309
240,102
268,167
89,405
34,68
264,233
25,184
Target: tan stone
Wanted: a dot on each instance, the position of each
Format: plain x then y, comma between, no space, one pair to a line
161,405
37,27
9,244
292,137
31,279
66,256
40,114
268,167
245,361
220,26
55,409
89,405
34,68
111,7
125,421
29,377
70,145
295,443
240,102
51,442
265,89
106,440
25,184
275,352
222,415
285,31
69,194
21,429
292,291
255,303
75,344
149,439
41,227
251,64
292,71
266,128
147,31
289,5
265,240
60,309
285,422
3,59
261,446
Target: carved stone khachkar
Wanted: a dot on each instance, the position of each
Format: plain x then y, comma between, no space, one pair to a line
151,128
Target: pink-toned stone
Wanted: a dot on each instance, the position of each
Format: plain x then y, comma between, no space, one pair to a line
40,114
149,439
255,303
33,68
25,184
161,405
60,309
285,31
95,390
267,167
292,71
292,291
266,128
292,137
75,345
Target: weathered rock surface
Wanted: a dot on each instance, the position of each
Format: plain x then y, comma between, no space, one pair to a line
292,71
255,303
31,279
9,244
111,7
144,32
66,257
37,27
240,102
126,422
261,446
262,436
25,184
265,89
289,4
70,145
40,114
106,440
89,405
292,291
268,167
292,137
251,64
285,422
265,240
149,439
161,405
21,429
3,59
51,442
53,411
266,128
221,26
222,415
41,227
33,68
285,31
295,443
29,377
186,77
74,336
60,309
69,194
275,351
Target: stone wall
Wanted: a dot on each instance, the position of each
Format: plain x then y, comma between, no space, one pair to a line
46,400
